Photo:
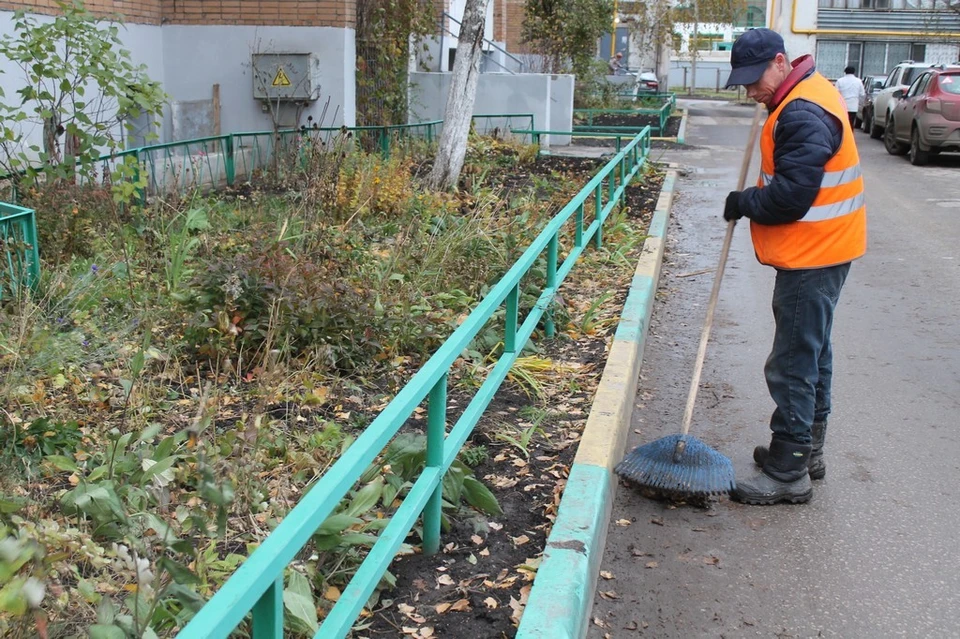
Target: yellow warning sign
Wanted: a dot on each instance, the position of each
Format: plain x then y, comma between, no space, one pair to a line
281,79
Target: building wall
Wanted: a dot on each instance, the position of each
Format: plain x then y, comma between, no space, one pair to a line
190,45
302,13
136,11
532,93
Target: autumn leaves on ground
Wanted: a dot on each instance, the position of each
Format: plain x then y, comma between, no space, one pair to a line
183,373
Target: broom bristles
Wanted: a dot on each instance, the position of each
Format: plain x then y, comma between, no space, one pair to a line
700,470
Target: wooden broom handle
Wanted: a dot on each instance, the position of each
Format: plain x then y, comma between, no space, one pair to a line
715,293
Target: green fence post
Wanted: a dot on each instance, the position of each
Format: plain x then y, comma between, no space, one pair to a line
268,612
384,142
30,237
598,237
510,328
578,241
620,167
141,190
436,432
549,328
231,167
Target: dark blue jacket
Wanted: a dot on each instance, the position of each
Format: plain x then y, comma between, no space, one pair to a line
805,138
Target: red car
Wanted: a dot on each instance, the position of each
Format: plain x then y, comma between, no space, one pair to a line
926,120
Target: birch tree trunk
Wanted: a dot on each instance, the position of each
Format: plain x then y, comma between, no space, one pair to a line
463,92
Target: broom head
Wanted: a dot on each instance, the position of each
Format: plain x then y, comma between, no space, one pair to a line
696,469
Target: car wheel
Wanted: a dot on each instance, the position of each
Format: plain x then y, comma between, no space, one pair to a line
918,157
890,139
876,132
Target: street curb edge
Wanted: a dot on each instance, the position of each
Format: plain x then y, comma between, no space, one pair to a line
562,595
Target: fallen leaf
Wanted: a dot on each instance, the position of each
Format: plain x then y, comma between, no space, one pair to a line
485,552
657,520
426,632
332,594
521,540
495,526
652,564
445,580
461,605
609,594
477,539
472,560
699,529
491,603
606,574
631,626
442,608
640,553
411,613
712,561
624,522
597,621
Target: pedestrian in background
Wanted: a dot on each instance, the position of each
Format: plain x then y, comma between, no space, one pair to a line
851,88
808,221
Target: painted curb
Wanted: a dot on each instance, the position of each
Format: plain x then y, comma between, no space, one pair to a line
682,133
562,596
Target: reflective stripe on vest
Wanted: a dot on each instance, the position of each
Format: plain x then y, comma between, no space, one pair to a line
830,178
833,230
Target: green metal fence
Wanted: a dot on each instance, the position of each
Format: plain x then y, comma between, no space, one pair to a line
662,114
257,586
21,258
617,136
503,124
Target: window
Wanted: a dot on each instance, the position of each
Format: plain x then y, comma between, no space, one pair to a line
950,83
915,88
893,79
831,58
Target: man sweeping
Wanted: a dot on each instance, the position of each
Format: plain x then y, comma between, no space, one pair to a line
808,221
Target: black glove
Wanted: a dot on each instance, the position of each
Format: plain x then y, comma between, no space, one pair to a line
731,210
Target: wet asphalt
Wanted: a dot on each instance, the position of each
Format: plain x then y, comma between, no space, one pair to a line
876,553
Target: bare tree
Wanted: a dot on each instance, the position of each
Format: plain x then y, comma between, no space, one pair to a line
463,92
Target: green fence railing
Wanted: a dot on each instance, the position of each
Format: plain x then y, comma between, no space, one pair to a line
503,123
662,114
20,254
257,586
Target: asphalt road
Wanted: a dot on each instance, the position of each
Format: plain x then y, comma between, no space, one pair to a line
876,553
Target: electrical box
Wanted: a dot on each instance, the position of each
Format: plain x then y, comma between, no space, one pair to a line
286,76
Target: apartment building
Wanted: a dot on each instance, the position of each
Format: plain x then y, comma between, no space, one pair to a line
871,35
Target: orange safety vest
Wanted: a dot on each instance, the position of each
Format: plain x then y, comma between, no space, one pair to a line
834,229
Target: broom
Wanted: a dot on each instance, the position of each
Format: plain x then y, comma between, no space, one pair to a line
682,464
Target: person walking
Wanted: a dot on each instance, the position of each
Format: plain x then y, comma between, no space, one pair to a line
851,88
616,64
808,221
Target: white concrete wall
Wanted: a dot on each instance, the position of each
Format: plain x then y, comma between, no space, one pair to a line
189,60
561,106
797,44
143,42
498,93
197,57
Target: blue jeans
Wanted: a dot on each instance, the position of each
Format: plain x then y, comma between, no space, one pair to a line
799,370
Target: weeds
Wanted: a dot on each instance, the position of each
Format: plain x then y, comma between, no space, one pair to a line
183,373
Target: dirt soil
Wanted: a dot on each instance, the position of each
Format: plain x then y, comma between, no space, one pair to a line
627,120
477,585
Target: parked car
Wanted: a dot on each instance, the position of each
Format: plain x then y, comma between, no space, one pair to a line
899,79
647,82
926,119
871,86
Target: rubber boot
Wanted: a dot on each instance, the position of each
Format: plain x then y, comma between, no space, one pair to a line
818,467
784,476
